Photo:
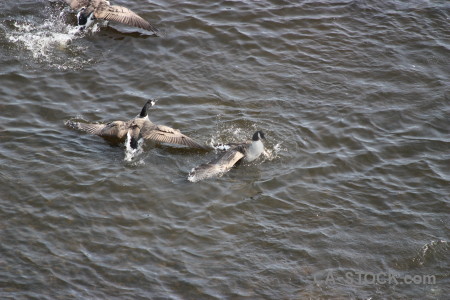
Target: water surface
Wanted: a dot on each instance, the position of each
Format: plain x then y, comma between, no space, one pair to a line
353,97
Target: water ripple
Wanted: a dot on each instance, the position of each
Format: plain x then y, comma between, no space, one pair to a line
352,96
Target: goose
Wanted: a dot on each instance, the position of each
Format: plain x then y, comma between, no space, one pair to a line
247,151
137,128
90,10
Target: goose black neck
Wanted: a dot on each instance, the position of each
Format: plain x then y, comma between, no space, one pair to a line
258,135
143,113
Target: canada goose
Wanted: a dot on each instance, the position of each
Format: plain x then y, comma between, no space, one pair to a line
89,10
247,151
139,127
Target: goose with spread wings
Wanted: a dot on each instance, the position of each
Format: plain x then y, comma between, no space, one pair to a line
247,151
90,10
137,128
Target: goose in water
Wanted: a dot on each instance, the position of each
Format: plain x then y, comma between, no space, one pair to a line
90,10
247,151
137,128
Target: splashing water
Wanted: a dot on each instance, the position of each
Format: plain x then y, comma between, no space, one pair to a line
272,153
38,39
237,134
49,41
41,39
434,249
233,135
133,155
222,147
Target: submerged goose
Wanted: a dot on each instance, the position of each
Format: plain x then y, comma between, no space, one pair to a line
247,151
137,128
89,10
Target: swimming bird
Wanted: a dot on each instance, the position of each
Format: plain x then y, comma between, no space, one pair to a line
137,128
90,10
247,151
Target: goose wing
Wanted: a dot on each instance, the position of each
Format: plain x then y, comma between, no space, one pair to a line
165,134
217,166
122,15
77,4
116,129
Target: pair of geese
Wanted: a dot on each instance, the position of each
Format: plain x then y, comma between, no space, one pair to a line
141,127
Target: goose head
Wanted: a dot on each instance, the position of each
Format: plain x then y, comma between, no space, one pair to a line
147,106
258,136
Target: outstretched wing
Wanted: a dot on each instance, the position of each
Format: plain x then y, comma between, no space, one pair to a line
164,134
217,166
122,15
77,4
116,129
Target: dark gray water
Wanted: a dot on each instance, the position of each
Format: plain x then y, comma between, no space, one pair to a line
351,200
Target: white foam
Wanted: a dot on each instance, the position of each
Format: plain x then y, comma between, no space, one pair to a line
132,155
41,39
192,176
48,41
237,131
222,147
272,153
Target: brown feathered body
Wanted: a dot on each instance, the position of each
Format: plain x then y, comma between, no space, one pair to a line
247,151
139,127
217,166
102,9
